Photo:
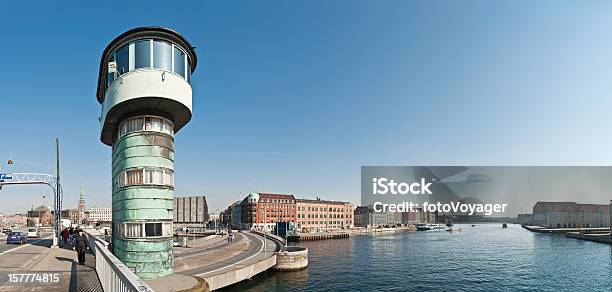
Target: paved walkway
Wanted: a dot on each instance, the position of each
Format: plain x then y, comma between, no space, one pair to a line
60,261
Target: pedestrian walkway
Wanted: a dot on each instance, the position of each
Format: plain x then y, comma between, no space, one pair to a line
73,277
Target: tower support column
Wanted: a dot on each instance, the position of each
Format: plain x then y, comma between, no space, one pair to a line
143,187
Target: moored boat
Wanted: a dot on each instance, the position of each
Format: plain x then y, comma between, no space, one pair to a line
429,226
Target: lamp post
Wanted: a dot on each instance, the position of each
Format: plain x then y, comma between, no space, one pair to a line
265,227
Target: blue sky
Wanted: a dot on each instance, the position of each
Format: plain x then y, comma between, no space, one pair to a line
299,95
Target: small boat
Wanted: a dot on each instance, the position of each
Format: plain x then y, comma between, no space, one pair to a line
505,225
449,224
473,225
429,226
454,229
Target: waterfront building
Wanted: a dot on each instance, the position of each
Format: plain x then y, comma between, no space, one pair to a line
224,218
262,210
231,216
525,219
214,220
366,217
100,215
570,215
72,215
39,215
146,97
235,220
317,215
418,216
190,210
20,220
213,217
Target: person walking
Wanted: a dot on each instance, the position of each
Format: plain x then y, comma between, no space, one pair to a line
65,236
80,245
71,234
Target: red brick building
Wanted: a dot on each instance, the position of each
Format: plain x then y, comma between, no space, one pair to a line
263,210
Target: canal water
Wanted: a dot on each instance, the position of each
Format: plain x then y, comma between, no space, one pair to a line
486,257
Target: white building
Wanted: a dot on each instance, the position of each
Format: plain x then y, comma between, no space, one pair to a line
366,217
100,215
570,215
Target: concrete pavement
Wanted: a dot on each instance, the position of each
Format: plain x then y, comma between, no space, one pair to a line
224,263
37,266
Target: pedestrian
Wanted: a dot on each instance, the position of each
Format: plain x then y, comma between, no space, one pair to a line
71,234
80,245
65,236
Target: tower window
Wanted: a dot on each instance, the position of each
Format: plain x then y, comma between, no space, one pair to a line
145,123
153,229
146,176
179,62
143,54
150,53
162,55
123,60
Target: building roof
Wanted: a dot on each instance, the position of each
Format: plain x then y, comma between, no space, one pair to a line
319,201
276,196
569,207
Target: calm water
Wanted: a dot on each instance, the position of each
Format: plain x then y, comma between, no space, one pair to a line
485,257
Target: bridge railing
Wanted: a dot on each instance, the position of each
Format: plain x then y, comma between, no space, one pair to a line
112,273
279,241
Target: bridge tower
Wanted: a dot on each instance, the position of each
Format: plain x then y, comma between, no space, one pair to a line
146,97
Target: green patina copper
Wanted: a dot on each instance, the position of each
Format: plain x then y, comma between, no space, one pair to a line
148,257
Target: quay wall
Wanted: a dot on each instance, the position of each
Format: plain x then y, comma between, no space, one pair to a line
292,258
239,274
590,237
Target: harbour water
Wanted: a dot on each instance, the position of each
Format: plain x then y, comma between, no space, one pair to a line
486,257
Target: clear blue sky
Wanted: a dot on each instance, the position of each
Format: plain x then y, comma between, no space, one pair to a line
299,95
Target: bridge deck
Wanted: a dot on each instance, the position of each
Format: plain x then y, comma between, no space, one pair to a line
38,257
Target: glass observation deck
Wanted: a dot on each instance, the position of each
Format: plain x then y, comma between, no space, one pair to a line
146,54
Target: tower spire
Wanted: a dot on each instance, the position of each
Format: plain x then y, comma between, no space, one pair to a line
81,205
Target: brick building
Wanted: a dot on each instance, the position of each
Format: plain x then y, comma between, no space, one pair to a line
316,215
263,210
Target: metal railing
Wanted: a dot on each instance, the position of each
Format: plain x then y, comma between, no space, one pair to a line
112,273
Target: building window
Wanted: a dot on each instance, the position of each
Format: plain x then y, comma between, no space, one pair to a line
146,229
142,54
153,229
188,78
146,176
122,56
179,61
162,55
145,123
150,54
133,177
133,230
110,77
